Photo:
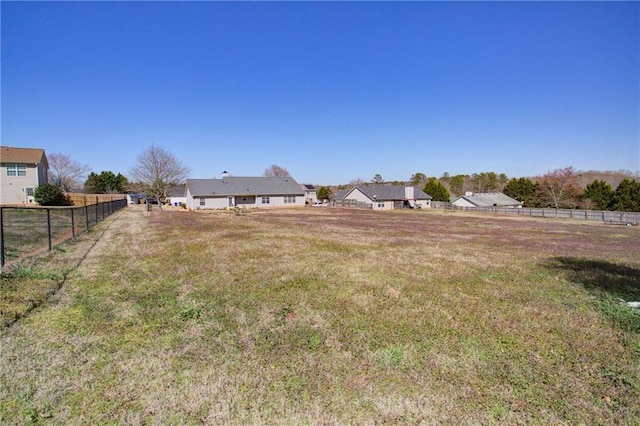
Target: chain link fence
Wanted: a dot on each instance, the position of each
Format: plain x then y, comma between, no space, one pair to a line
28,230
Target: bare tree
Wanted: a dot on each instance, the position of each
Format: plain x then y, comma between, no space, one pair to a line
66,173
276,171
559,186
158,169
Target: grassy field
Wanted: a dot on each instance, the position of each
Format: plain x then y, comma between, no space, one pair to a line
327,316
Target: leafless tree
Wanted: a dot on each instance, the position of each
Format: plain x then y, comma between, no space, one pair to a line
276,171
559,186
158,169
65,172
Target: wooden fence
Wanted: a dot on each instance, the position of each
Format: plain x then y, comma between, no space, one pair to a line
353,204
632,218
78,199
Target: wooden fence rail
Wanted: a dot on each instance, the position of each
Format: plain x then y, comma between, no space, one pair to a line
79,199
606,216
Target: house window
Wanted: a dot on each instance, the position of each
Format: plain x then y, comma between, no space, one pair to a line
289,199
16,169
265,199
381,205
202,200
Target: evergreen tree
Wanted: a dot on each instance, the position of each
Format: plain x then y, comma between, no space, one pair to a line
49,194
437,190
627,196
105,183
521,189
456,185
324,193
600,193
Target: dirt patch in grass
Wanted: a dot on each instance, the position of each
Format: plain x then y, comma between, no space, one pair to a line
332,316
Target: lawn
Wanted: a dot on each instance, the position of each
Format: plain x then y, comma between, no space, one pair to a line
328,316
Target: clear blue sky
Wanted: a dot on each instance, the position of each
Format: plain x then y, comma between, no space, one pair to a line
331,91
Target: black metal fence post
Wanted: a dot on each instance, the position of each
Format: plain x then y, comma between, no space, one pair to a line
1,239
73,226
49,227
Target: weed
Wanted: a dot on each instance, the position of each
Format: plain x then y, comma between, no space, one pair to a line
191,313
314,342
390,357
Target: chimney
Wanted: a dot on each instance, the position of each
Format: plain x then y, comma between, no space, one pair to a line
408,193
225,174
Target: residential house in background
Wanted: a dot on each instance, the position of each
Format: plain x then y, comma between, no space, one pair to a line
249,192
176,195
486,199
387,197
21,171
310,195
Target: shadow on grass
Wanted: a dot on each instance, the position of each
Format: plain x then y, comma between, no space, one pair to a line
611,283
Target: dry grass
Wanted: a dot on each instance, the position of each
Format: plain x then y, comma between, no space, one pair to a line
332,316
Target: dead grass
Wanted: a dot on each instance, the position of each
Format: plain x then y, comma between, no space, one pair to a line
333,316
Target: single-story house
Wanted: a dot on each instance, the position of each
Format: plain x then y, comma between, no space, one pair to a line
387,197
486,199
250,192
21,171
176,195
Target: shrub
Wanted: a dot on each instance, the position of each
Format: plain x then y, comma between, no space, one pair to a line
49,194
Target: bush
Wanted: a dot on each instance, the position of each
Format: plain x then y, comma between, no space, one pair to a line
50,195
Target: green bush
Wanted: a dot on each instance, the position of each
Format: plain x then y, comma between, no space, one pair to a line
50,195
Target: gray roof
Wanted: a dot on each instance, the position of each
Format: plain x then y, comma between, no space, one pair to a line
340,194
388,192
234,185
490,199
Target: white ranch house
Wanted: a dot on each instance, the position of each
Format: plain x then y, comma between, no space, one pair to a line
388,197
487,199
249,192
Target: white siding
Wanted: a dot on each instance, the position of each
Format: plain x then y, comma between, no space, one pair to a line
222,202
461,202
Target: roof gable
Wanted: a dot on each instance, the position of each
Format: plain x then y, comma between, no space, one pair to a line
235,185
23,155
386,192
490,199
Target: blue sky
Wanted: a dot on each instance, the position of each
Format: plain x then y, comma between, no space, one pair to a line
332,91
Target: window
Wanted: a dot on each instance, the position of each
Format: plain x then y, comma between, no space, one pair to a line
202,200
289,199
381,205
16,169
265,199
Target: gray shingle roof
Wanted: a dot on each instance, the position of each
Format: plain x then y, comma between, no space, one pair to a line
389,192
234,185
489,199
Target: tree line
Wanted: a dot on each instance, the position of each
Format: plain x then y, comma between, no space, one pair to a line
559,188
157,171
